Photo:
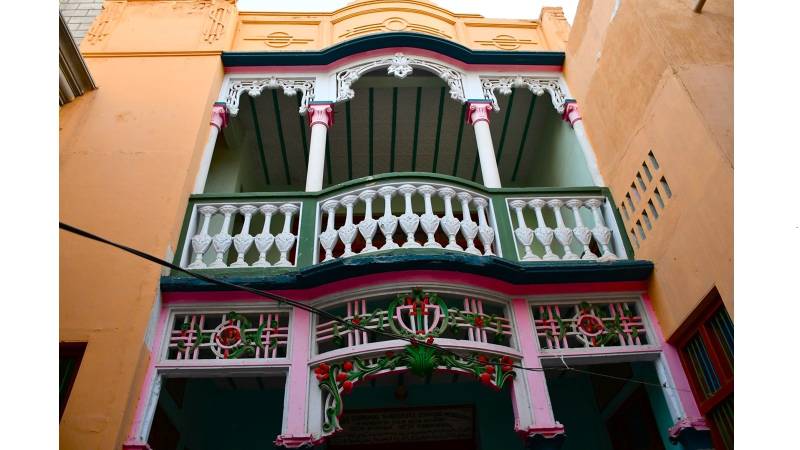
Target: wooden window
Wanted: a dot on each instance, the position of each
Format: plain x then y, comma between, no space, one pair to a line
69,361
705,343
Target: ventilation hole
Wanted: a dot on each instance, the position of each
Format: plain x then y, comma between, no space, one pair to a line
647,172
633,238
635,191
653,209
641,230
624,211
659,199
653,160
646,219
630,202
641,182
665,185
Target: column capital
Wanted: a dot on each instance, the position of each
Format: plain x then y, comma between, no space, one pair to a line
320,113
544,438
571,112
688,430
478,110
297,441
219,115
136,445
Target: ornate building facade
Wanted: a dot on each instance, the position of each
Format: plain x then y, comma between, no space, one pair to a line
421,242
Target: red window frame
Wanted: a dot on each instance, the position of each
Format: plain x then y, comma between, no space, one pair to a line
698,324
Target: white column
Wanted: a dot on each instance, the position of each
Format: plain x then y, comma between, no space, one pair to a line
219,120
320,117
573,116
478,117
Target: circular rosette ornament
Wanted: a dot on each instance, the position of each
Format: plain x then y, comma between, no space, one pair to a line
590,326
226,337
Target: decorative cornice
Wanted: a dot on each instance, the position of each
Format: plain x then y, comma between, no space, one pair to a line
536,85
320,113
477,111
394,39
219,116
400,66
398,260
254,87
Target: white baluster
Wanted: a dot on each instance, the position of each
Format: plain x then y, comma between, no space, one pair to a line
222,241
388,222
543,233
450,224
409,221
600,231
368,226
563,233
202,240
329,237
285,239
429,221
523,234
484,230
265,239
581,232
347,232
243,240
469,229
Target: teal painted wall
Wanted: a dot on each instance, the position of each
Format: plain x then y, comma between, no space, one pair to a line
557,159
212,418
493,410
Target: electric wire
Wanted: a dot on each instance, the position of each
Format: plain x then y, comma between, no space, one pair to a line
320,312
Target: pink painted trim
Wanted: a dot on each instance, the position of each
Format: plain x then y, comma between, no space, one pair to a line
298,374
413,276
540,397
673,360
391,51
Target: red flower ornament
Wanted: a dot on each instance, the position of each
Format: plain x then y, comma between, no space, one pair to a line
347,386
347,366
486,378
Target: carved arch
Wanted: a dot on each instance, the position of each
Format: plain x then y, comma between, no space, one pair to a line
254,87
400,66
536,85
339,378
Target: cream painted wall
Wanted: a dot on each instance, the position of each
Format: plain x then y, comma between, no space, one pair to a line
672,93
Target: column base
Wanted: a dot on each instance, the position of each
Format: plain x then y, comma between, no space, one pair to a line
544,438
136,445
297,441
691,433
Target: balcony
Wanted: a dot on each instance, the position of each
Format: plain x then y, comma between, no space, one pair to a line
427,215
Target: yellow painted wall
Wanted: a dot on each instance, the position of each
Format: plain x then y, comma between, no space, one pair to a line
129,154
657,76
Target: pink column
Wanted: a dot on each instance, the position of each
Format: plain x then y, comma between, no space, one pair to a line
295,433
478,117
572,115
320,118
543,424
219,120
690,417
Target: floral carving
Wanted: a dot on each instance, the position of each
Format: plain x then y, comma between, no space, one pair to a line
254,87
536,85
400,66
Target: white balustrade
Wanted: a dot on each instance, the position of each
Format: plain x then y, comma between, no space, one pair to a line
572,241
229,233
426,207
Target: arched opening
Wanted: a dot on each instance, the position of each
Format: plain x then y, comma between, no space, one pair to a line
446,410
